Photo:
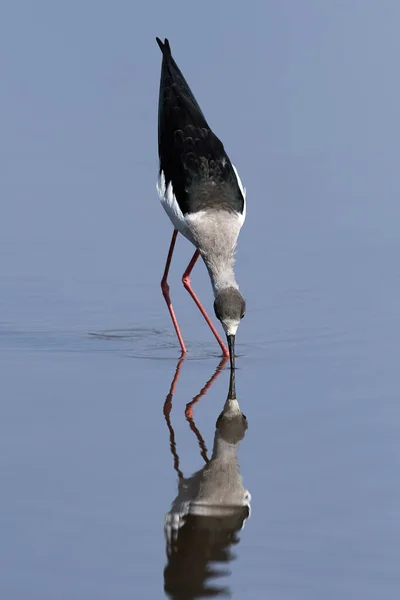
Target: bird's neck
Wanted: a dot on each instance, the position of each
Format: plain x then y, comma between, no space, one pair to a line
221,273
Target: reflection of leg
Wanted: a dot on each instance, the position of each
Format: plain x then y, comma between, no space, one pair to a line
189,408
167,414
165,291
188,287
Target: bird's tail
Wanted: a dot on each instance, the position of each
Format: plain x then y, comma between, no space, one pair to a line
164,47
171,75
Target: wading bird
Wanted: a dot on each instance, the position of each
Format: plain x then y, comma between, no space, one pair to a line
203,196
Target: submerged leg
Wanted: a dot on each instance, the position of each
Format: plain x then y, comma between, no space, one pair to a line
165,291
188,287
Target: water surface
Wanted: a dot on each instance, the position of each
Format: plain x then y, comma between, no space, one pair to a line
96,430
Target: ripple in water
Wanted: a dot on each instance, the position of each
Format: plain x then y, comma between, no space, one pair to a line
154,343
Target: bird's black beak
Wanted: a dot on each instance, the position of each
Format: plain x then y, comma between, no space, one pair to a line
231,346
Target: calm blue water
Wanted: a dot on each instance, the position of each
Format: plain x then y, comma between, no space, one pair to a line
89,462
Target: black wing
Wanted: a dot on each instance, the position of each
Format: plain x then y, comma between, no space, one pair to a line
192,158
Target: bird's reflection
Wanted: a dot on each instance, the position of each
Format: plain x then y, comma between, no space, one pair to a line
211,506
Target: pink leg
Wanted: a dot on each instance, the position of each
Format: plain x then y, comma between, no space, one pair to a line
188,287
165,291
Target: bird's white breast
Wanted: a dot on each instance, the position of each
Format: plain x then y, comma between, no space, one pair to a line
173,210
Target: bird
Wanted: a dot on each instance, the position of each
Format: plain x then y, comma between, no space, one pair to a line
202,193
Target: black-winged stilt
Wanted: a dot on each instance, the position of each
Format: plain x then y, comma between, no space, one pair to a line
203,196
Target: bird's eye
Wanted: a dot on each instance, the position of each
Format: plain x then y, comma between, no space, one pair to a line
242,315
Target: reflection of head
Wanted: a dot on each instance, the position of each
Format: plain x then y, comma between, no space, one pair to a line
231,424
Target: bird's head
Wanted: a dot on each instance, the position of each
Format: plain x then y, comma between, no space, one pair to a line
229,307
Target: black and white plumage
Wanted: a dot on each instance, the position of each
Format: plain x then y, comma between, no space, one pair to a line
199,187
192,158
